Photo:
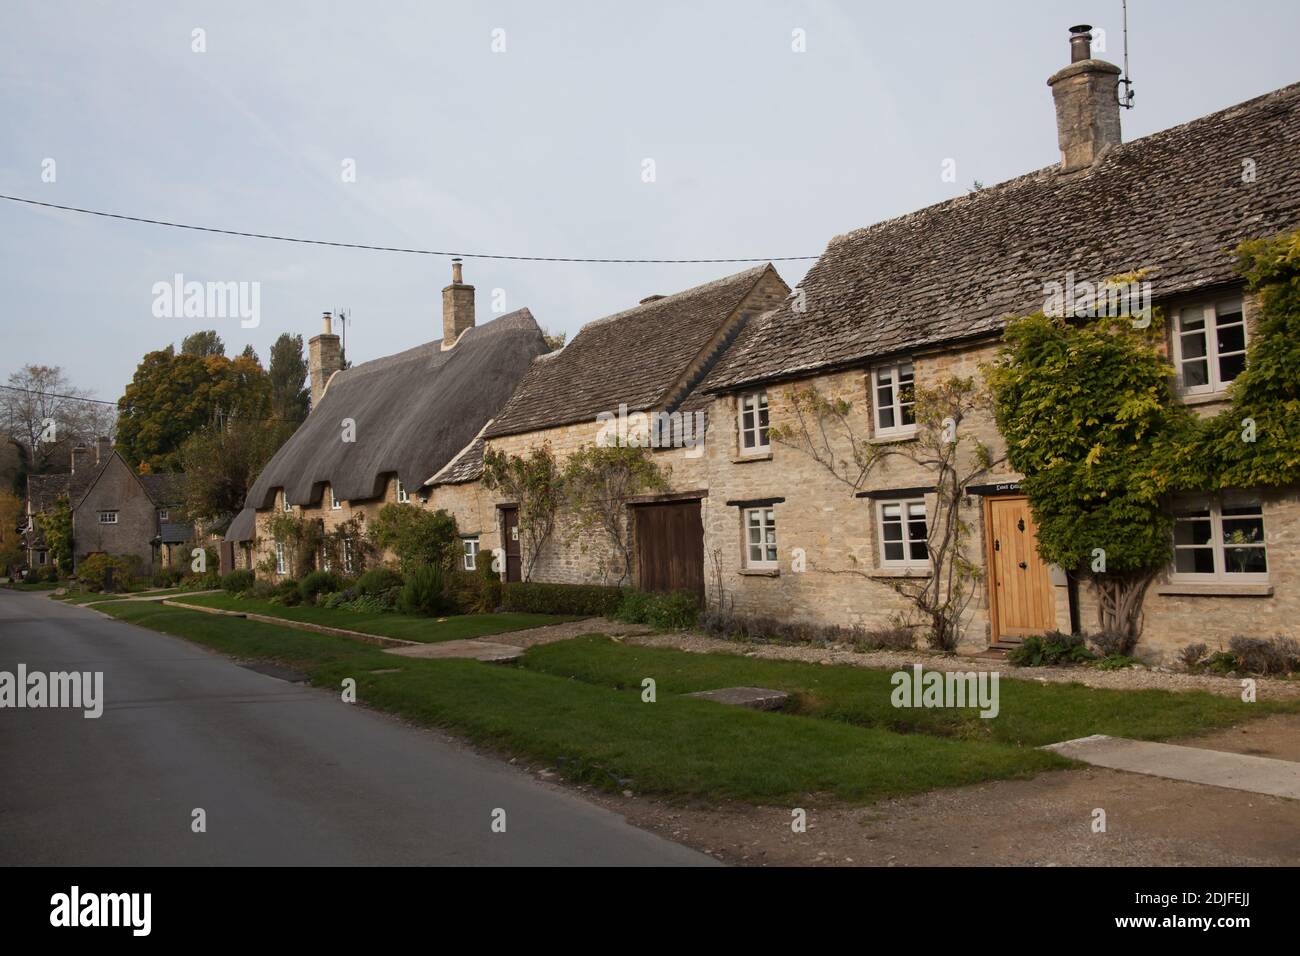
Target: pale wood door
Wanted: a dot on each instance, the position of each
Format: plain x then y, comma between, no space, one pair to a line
1020,583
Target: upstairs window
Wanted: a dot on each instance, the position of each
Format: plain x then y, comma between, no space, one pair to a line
893,390
1209,346
402,496
284,496
162,514
760,538
335,504
903,534
753,423
1219,540
108,517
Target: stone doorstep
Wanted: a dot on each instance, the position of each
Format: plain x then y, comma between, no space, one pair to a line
1215,768
488,651
755,698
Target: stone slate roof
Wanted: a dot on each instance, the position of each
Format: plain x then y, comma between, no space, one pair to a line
242,526
1173,202
632,357
467,466
165,489
173,532
413,411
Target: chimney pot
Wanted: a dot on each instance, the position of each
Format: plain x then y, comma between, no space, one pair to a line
326,324
1081,42
456,273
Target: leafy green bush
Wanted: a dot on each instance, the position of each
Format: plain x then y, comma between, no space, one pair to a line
1114,662
378,580
167,577
262,589
595,600
238,581
667,612
287,593
93,571
1222,662
319,582
1051,650
425,592
416,536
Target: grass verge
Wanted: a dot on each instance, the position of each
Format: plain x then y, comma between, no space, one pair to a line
405,627
608,737
1031,713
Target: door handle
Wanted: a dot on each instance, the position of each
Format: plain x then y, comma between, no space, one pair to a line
1023,566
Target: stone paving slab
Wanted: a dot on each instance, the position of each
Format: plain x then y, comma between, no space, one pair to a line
1216,768
755,698
489,651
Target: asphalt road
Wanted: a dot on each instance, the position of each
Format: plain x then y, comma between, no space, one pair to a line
286,774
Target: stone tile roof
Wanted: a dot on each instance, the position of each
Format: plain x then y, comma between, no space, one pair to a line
1173,202
174,532
631,357
414,412
165,489
467,466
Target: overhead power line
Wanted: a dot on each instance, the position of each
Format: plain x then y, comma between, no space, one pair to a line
417,252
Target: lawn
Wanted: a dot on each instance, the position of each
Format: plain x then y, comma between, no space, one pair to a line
595,733
1031,713
93,597
386,624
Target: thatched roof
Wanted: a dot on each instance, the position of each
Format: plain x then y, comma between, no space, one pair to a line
414,412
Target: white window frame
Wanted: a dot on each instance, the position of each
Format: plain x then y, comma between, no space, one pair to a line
896,405
754,406
335,504
469,552
108,517
905,506
347,555
766,523
280,566
162,514
325,562
1221,575
403,496
1210,312
284,500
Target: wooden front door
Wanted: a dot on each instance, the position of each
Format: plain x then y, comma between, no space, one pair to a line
670,547
510,535
1020,586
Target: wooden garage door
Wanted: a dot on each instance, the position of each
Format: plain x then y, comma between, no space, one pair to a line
670,547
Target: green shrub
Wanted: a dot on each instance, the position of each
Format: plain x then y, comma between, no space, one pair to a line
425,592
287,593
666,612
378,580
1051,650
1222,662
262,589
1115,662
167,577
588,600
319,582
93,572
416,536
238,581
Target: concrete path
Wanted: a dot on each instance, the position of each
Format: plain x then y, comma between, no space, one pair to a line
488,651
286,774
1216,768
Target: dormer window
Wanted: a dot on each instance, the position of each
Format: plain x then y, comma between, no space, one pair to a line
1209,345
284,498
893,389
335,504
162,514
753,424
402,495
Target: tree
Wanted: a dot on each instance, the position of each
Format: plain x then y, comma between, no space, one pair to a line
537,485
1088,413
203,344
221,462
947,449
173,396
290,396
11,538
416,536
56,527
601,481
47,415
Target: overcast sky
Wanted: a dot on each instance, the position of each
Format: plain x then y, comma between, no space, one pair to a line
537,150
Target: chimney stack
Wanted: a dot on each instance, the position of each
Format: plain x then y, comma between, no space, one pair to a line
1087,104
80,458
457,307
103,448
324,358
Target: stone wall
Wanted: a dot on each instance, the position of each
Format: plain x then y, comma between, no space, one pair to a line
116,489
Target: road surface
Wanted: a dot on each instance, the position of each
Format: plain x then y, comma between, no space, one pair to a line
284,773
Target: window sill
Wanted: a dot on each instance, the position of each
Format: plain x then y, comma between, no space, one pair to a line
741,458
760,572
1215,589
900,573
891,437
1203,398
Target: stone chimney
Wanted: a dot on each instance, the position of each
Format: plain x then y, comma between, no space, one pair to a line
103,449
1087,104
457,307
81,458
324,358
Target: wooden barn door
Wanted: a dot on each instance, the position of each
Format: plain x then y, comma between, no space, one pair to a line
1020,583
510,535
670,547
